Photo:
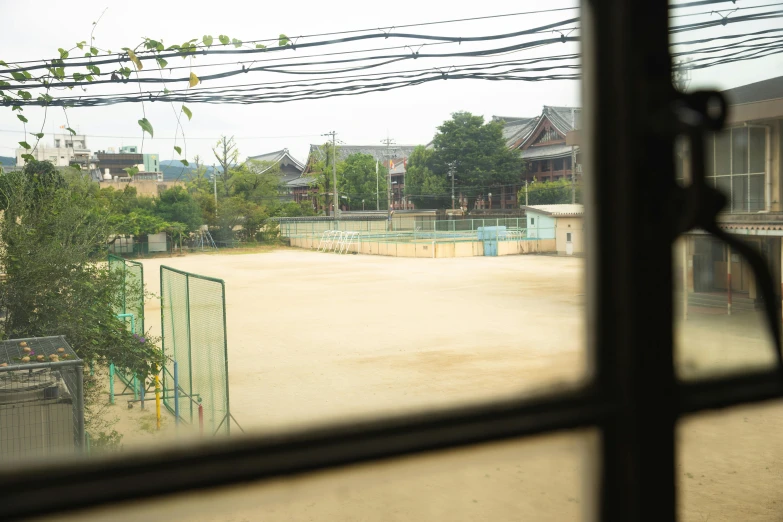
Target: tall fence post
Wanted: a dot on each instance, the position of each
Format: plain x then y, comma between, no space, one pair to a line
157,399
111,383
176,393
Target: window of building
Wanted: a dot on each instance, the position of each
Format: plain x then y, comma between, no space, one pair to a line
558,164
546,166
532,221
736,166
568,236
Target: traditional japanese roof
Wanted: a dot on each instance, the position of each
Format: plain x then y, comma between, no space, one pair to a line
565,210
378,152
303,181
279,156
559,150
519,131
516,128
769,89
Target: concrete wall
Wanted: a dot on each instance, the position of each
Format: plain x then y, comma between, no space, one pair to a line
539,225
149,188
429,249
574,226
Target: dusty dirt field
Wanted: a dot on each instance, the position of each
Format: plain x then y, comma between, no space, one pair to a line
316,337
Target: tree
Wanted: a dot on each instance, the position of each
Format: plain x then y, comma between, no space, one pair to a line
425,188
321,168
548,193
477,153
54,234
178,205
227,155
357,179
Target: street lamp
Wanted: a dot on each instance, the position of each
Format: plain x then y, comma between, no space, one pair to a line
394,197
349,201
362,204
490,200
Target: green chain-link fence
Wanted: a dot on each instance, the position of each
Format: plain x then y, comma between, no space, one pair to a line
193,321
130,308
132,298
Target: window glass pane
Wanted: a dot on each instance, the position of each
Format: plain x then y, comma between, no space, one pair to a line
720,326
727,465
723,153
739,150
723,183
757,194
548,479
757,149
739,193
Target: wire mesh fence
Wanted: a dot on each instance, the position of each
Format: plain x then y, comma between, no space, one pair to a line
41,399
193,320
131,300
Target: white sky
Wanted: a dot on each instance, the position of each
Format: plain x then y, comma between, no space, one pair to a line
408,115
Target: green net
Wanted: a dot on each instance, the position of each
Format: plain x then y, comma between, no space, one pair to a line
132,290
193,321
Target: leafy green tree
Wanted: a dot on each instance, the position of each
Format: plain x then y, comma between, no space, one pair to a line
178,205
54,234
321,169
477,154
357,179
425,188
548,193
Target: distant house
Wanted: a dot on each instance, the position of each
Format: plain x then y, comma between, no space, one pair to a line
293,187
563,223
541,142
394,158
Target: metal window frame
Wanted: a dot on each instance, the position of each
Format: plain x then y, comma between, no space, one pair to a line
634,399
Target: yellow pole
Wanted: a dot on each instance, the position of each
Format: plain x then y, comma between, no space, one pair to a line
157,399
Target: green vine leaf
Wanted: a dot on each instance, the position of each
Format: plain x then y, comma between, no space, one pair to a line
28,157
162,63
223,39
187,112
193,80
260,46
18,76
39,135
131,171
94,51
207,39
94,69
73,132
283,41
3,63
185,162
146,126
77,77
63,53
25,145
166,91
178,149
237,43
24,95
22,118
81,45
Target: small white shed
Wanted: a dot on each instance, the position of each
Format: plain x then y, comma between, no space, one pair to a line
564,223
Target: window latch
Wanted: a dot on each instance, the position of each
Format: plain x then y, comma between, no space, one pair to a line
698,204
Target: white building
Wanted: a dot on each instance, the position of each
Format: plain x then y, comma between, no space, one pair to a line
65,151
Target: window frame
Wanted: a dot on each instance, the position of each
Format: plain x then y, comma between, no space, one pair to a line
634,397
746,176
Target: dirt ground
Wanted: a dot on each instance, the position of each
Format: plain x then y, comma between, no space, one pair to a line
315,338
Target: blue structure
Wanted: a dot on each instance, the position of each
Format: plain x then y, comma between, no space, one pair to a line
540,224
490,236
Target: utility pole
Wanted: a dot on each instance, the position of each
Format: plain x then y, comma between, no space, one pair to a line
388,142
377,197
214,186
335,197
451,173
573,174
525,192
